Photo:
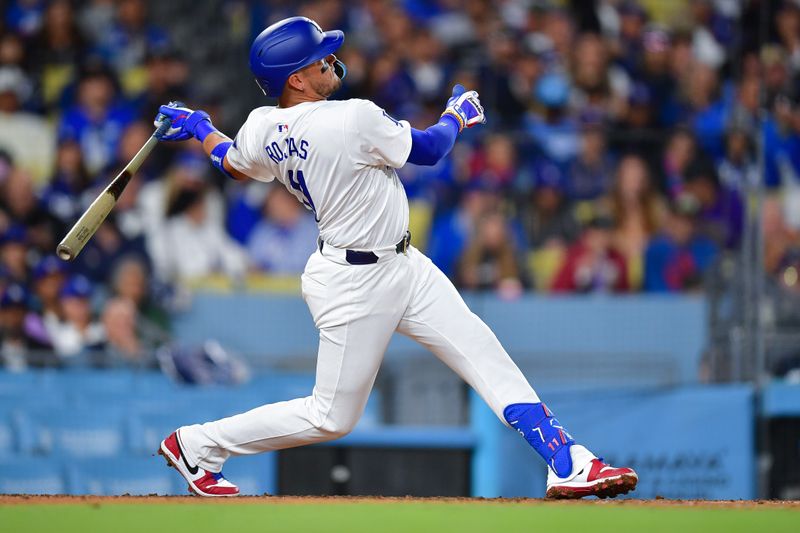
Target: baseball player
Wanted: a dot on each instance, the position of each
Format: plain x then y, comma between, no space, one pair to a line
365,280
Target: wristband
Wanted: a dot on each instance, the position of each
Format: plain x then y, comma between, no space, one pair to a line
218,157
460,122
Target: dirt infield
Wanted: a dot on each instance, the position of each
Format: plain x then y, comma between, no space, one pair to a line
29,499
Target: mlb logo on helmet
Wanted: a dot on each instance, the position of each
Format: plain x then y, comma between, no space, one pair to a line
283,128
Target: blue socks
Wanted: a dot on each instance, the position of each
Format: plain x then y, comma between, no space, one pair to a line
538,426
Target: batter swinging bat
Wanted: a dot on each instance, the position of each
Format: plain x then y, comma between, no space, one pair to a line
87,225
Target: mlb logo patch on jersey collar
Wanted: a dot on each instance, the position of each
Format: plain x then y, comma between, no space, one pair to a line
283,128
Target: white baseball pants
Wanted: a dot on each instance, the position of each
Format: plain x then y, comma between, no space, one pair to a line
357,308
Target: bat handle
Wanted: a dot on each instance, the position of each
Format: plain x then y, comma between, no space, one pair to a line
163,125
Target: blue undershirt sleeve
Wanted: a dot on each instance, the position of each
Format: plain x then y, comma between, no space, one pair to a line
430,146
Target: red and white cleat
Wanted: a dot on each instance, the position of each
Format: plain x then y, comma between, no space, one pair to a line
201,481
595,479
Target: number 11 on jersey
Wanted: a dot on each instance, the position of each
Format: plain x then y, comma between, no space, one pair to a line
298,183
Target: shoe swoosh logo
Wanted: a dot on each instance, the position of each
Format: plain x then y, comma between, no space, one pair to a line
605,468
192,469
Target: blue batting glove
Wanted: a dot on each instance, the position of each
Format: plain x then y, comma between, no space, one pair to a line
184,121
465,107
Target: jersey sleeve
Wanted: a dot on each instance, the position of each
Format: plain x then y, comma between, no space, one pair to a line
246,154
375,138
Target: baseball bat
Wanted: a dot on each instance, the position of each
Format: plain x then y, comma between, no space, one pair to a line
86,226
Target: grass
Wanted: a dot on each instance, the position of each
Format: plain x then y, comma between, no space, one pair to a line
395,516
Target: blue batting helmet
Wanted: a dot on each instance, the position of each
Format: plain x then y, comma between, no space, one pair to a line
287,46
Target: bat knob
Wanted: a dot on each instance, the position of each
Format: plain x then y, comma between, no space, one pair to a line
64,252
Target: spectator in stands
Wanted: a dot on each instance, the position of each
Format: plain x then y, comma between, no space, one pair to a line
787,22
193,245
780,240
131,281
49,277
678,257
189,171
106,247
97,119
76,334
548,221
18,347
738,170
391,86
18,200
24,16
57,51
592,264
125,44
638,213
555,134
286,235
679,153
451,231
67,194
632,24
655,76
244,209
721,216
589,175
133,138
600,87
28,137
743,114
496,162
705,107
489,262
775,73
426,66
12,51
14,252
635,132
167,75
782,145
124,345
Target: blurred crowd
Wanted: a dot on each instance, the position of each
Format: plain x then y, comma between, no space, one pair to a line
620,153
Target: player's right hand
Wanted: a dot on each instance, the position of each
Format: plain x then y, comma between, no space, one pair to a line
183,121
465,107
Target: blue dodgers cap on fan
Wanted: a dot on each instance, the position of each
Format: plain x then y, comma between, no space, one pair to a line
48,266
15,295
77,287
552,90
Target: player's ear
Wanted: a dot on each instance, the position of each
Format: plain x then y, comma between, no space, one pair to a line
295,81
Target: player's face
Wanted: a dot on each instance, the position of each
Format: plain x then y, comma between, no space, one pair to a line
321,76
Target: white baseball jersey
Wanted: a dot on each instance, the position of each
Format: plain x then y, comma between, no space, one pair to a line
338,158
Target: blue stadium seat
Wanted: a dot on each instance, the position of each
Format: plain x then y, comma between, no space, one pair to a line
123,475
31,476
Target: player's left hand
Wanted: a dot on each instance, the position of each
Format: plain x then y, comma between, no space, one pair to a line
183,121
466,107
